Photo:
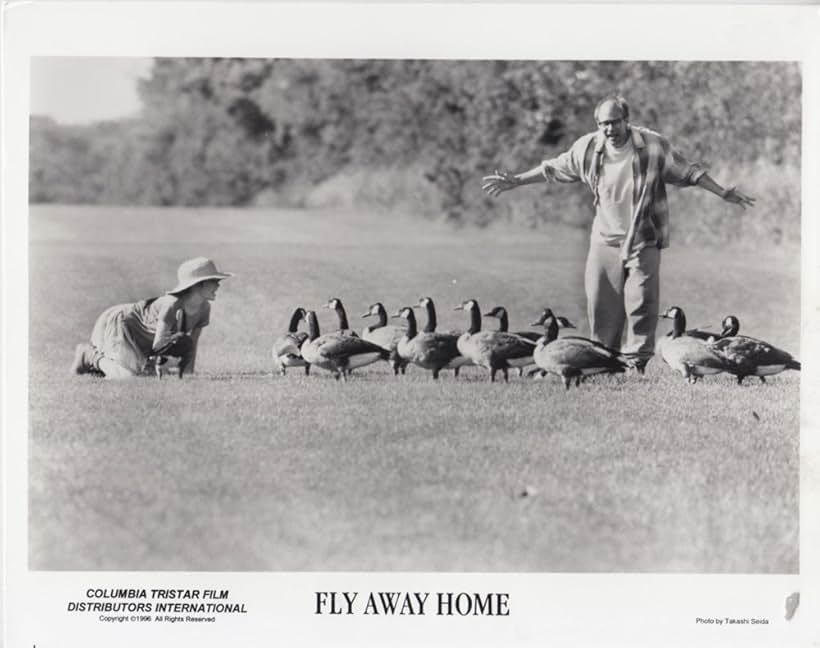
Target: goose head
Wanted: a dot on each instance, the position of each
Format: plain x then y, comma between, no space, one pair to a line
675,313
427,304
298,316
546,313
378,311
334,303
730,326
472,307
406,312
500,313
551,323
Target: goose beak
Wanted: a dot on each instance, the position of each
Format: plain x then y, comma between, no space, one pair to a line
367,314
459,307
396,314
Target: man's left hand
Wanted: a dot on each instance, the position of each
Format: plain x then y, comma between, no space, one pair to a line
736,197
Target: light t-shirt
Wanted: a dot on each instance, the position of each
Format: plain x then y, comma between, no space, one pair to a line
613,214
153,322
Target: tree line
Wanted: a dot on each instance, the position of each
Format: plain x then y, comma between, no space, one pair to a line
250,131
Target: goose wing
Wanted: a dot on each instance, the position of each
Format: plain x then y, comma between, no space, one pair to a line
502,345
436,348
583,353
686,350
342,346
749,353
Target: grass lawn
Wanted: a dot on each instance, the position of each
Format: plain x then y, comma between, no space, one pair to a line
235,469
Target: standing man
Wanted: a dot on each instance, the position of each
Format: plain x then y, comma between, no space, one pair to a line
627,168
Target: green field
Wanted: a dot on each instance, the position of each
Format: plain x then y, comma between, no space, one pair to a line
235,469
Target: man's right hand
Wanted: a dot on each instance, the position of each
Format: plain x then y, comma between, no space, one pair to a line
499,182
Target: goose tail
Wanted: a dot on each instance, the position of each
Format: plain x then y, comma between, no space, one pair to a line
793,364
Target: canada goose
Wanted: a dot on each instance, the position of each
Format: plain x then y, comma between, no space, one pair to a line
492,350
504,324
573,357
433,351
336,352
748,356
334,303
687,354
386,336
430,327
287,348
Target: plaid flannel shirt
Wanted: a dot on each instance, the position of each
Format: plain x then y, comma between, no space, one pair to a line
654,165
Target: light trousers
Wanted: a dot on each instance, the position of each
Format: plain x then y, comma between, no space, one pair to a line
623,292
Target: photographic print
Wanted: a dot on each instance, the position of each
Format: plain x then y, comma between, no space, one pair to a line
410,435
412,333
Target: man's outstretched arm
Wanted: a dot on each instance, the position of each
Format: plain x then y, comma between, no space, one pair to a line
732,194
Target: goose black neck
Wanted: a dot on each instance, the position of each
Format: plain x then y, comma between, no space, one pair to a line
551,328
412,327
678,324
475,319
381,315
340,311
294,320
503,322
313,326
430,327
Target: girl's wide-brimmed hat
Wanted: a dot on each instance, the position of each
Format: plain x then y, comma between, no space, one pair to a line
194,271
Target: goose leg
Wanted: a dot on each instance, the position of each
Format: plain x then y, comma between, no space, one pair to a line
740,380
578,380
762,379
566,381
455,372
435,374
307,369
492,375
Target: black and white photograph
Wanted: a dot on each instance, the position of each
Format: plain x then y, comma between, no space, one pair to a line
482,321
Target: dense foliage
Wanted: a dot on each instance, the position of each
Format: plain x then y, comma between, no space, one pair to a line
415,133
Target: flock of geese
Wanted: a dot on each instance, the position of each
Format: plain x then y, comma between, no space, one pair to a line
693,353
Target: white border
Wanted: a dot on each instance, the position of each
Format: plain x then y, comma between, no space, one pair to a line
548,610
